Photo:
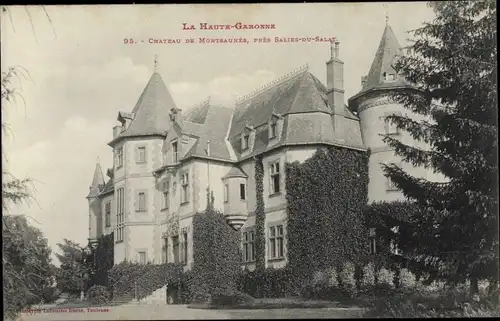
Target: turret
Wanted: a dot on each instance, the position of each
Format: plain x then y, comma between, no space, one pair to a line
373,105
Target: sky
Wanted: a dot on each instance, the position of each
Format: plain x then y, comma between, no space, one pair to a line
82,74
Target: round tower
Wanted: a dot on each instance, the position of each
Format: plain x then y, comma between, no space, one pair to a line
373,105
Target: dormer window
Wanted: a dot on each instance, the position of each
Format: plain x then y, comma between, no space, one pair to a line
389,77
273,129
244,141
175,152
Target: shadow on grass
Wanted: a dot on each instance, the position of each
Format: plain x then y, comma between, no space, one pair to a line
282,303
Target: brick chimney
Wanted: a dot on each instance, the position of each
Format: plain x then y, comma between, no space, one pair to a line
335,80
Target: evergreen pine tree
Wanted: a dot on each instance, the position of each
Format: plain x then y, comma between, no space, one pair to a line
452,64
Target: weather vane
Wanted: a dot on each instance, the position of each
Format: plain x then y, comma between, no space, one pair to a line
156,63
386,13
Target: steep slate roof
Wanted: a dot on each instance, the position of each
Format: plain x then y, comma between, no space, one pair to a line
235,172
97,181
299,93
208,123
108,188
302,94
151,112
382,63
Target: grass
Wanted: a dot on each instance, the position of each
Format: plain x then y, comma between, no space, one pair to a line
275,303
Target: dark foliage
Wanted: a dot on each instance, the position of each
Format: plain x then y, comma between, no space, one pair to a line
133,279
269,283
452,63
326,195
216,254
260,216
224,298
98,294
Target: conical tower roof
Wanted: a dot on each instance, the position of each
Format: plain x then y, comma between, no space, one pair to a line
388,50
151,112
97,181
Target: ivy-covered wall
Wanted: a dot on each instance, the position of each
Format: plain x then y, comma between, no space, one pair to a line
216,254
260,217
326,196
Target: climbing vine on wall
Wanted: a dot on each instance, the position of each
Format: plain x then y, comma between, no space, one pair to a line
260,216
326,196
216,253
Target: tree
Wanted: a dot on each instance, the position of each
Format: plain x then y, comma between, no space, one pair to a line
28,271
73,274
452,64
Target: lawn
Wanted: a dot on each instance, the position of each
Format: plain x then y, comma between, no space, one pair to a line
273,303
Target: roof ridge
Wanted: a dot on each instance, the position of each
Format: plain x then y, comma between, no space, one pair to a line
194,107
272,84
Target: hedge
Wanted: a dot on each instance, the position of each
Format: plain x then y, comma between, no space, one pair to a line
126,278
326,196
268,283
216,254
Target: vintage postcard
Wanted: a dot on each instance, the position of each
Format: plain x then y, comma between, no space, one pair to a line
223,161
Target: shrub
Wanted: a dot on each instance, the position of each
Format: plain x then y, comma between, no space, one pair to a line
228,298
347,280
215,253
385,276
331,277
128,279
368,276
269,283
407,279
98,294
201,298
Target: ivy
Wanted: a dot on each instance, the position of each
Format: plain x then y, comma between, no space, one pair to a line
326,196
130,279
216,254
260,216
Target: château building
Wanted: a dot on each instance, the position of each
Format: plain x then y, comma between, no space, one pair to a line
165,160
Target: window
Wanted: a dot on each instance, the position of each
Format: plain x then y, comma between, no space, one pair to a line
275,177
141,154
120,224
107,214
243,195
166,199
141,202
372,241
276,242
272,129
175,153
185,188
244,141
390,128
175,248
389,77
142,258
249,246
226,193
119,157
185,247
165,251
